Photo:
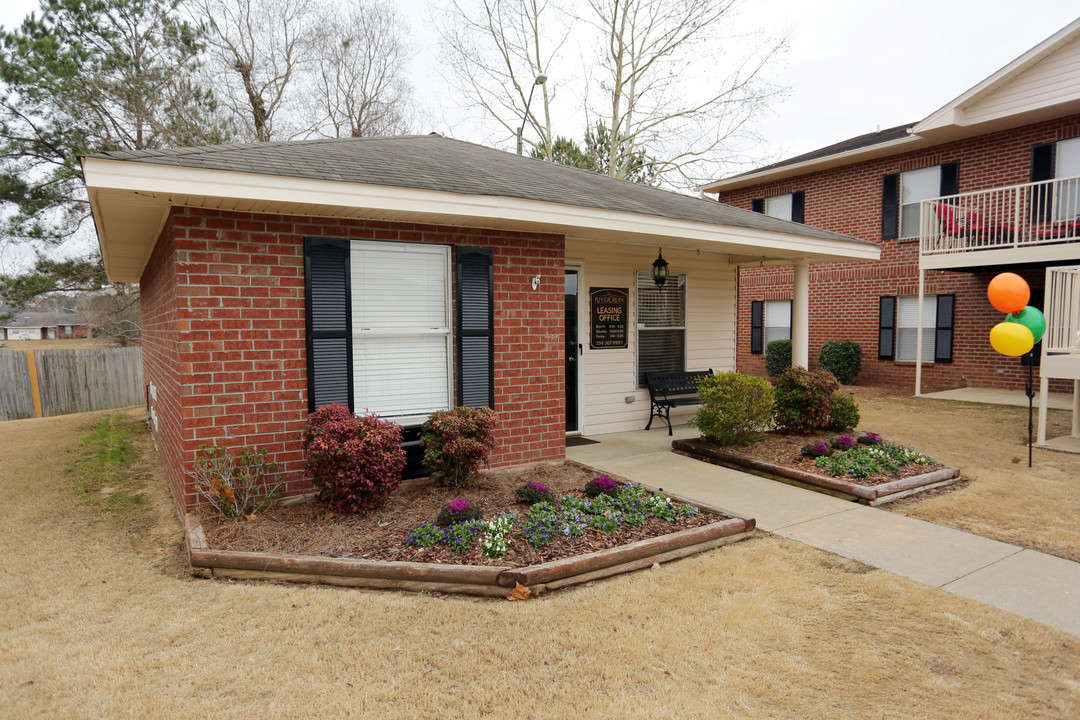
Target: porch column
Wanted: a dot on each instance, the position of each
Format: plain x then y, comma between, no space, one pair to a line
800,315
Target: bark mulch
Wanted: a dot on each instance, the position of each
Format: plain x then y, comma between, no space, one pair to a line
310,529
786,450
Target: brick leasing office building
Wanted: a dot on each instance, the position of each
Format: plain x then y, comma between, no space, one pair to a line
405,275
986,184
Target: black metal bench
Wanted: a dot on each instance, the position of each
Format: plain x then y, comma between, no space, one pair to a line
670,390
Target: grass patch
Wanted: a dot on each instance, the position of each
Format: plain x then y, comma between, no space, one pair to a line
105,469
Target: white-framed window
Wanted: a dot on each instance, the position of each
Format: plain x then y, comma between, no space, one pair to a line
907,327
401,313
661,325
777,325
1067,164
779,206
916,186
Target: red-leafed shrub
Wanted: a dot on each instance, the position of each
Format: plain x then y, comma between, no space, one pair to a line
802,400
457,442
354,462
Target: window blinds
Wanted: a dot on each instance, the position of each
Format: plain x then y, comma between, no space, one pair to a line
661,322
907,327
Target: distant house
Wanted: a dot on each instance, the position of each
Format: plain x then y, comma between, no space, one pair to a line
988,183
406,275
46,326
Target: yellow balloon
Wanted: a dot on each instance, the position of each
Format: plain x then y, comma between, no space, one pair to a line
1012,339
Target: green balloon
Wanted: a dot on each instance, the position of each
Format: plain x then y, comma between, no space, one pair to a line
1031,318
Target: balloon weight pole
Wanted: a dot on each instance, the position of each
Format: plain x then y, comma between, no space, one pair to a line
1031,398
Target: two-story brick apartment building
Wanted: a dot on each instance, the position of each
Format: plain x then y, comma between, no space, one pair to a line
1001,154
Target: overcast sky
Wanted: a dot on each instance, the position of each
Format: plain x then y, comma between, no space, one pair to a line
853,65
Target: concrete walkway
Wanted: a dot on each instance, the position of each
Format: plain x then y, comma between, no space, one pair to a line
1032,584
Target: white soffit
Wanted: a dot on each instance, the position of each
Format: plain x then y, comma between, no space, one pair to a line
131,202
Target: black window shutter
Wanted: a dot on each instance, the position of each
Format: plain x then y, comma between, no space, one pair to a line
798,206
757,313
887,328
327,289
1042,168
943,333
476,327
890,207
758,205
950,178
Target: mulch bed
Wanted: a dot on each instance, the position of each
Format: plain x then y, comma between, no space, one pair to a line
310,529
786,450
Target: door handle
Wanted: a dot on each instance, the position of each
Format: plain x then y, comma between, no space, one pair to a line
580,349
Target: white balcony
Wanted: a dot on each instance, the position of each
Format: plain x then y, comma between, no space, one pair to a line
1029,223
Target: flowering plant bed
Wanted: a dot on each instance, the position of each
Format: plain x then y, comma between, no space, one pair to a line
403,544
863,466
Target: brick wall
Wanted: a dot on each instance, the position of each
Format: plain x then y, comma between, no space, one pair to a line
844,297
225,344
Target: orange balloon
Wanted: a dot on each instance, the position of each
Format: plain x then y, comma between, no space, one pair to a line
1009,293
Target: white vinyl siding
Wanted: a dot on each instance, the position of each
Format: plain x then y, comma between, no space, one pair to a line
401,329
779,206
915,186
777,321
661,323
1054,80
610,376
907,327
1067,164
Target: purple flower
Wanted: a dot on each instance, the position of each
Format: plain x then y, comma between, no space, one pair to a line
872,436
820,447
538,487
458,506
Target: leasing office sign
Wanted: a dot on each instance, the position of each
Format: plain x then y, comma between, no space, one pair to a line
608,318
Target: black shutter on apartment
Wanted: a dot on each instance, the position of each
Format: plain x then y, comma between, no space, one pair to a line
476,327
327,289
887,327
798,206
758,205
950,178
943,333
1042,168
757,312
890,207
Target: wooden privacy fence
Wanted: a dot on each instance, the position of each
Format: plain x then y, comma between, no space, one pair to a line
43,383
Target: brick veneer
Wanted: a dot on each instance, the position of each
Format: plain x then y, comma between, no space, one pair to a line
224,335
844,297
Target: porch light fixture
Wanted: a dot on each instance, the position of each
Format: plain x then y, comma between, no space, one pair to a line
659,270
540,80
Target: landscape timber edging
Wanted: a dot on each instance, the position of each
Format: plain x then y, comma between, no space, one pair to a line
468,579
868,495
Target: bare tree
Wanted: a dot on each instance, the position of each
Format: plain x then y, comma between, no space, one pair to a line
653,53
262,49
495,50
360,86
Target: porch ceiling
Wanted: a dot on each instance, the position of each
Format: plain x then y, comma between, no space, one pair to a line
131,202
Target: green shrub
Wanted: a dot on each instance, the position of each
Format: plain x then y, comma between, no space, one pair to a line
777,357
735,408
843,412
235,485
353,462
802,400
457,442
843,358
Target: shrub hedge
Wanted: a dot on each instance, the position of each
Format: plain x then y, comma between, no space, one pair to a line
803,400
735,408
843,358
777,357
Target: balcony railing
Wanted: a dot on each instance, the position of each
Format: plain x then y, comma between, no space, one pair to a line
1020,216
1062,311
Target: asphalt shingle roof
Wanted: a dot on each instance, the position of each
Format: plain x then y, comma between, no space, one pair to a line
432,162
43,319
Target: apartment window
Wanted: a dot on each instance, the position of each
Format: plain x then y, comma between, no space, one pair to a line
903,192
1055,161
899,328
789,206
769,320
661,325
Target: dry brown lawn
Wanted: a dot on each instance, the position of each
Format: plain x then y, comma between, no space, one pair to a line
76,344
98,620
1036,508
